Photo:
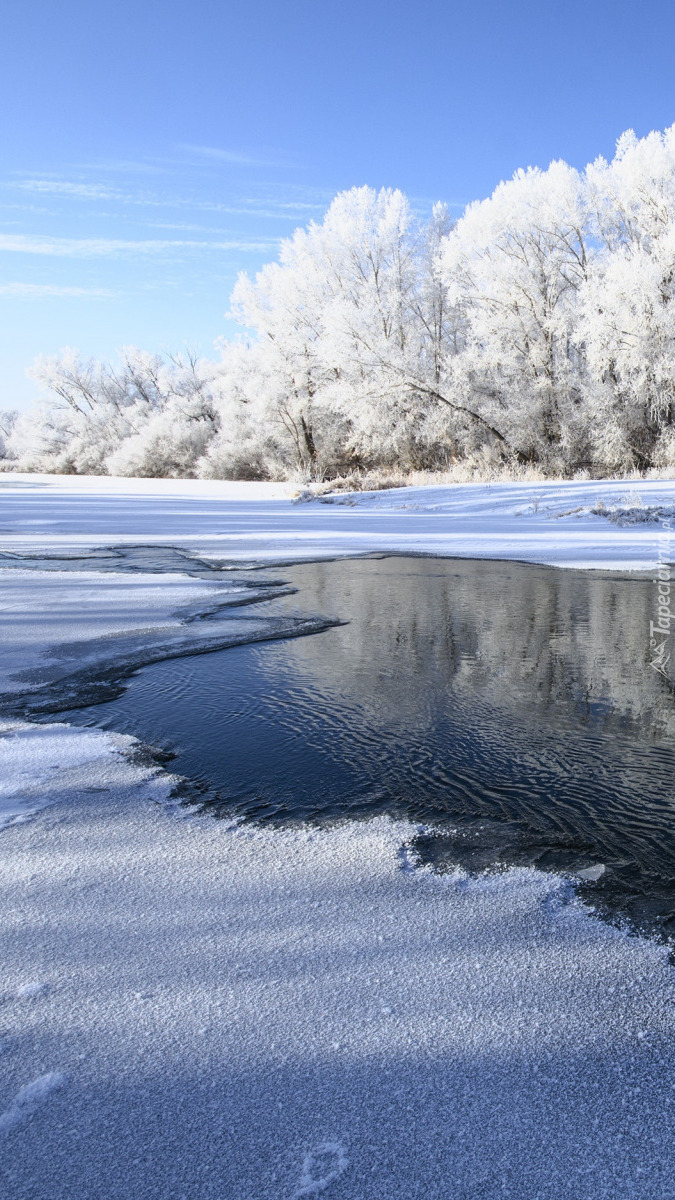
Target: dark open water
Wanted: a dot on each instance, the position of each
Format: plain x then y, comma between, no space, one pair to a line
511,708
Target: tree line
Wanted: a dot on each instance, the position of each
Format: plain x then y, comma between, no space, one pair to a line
539,329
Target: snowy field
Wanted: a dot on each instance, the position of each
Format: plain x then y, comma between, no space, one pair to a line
268,523
193,1010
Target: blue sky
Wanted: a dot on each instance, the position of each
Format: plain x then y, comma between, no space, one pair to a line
151,151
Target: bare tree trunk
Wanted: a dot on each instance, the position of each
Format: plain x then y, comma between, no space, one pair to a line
308,437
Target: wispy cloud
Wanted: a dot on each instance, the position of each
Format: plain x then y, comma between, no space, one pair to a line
116,166
235,157
175,157
106,247
49,289
184,227
62,187
261,209
24,208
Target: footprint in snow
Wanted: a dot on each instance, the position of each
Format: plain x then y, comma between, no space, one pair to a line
29,1099
321,1166
28,991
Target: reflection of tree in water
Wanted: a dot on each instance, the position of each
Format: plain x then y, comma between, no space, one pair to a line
503,693
511,708
428,635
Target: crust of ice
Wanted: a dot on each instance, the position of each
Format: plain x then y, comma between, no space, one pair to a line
36,762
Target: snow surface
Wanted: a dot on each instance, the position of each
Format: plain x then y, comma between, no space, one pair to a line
195,1010
36,760
29,1098
261,522
266,1015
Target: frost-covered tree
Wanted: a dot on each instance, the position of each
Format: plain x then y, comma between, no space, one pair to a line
386,325
8,420
538,328
254,439
145,416
628,319
356,330
330,317
514,265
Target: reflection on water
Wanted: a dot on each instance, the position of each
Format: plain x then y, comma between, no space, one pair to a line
512,707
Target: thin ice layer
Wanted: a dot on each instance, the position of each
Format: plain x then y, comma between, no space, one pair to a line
69,636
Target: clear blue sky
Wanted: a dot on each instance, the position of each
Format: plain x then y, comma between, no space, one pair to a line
151,151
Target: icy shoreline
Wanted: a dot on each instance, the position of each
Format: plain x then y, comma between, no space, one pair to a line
265,1014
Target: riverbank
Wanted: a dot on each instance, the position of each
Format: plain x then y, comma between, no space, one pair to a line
197,1009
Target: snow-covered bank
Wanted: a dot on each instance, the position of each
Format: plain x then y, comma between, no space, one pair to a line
550,523
245,1014
190,1010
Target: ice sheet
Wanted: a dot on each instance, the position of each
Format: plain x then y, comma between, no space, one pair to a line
251,522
